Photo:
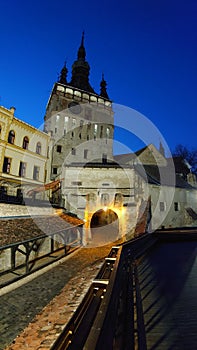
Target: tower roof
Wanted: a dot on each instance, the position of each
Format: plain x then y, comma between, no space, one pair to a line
80,74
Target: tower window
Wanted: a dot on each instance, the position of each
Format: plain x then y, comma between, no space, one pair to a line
73,122
22,169
107,132
101,132
25,142
11,137
176,206
73,151
162,206
6,165
36,173
104,158
38,148
59,148
80,136
85,153
54,171
66,119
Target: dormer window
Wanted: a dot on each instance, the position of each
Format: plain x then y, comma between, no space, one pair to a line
11,137
25,142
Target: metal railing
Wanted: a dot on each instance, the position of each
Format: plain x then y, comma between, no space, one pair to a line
19,259
111,314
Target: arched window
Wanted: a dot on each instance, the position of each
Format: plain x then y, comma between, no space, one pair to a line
11,136
25,142
38,148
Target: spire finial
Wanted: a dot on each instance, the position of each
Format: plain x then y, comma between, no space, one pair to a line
81,52
82,38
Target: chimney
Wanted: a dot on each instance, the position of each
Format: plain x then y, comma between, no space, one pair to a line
12,110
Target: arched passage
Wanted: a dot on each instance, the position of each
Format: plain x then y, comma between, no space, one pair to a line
104,226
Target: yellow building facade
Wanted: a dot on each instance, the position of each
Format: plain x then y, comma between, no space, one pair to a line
23,155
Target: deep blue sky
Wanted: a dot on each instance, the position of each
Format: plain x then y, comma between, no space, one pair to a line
147,50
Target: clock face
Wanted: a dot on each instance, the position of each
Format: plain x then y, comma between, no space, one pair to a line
74,107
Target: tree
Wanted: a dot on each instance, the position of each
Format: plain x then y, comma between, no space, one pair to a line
188,154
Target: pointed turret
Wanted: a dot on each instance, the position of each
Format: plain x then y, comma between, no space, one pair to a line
103,89
80,70
63,75
161,149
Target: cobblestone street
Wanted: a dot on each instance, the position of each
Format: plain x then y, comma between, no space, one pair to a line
59,292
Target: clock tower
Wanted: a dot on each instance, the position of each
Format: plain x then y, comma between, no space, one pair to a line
79,120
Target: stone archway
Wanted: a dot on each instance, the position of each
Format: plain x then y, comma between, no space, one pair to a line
104,226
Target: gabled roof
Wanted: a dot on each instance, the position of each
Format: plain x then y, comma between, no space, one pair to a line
125,158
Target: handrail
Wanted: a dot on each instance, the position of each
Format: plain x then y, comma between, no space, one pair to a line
25,255
111,314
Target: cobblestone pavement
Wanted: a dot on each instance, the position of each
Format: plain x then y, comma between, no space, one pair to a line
47,302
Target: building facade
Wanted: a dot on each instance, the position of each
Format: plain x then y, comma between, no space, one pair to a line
23,155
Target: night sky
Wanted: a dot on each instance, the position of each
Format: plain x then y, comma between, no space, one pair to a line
147,50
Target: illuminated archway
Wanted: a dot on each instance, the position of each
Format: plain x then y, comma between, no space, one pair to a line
104,226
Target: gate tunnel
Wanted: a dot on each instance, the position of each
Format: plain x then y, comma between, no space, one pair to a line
104,226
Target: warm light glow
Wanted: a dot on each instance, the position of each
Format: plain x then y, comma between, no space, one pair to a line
105,208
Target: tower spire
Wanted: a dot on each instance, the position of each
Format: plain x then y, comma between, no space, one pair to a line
81,52
80,70
103,89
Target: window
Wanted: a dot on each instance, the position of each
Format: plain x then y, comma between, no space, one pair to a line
104,199
101,132
64,132
54,171
95,130
11,137
104,158
36,173
59,148
22,169
6,165
176,206
73,151
66,119
107,132
57,117
38,148
25,142
80,136
0,129
81,123
162,206
73,122
55,130
85,153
